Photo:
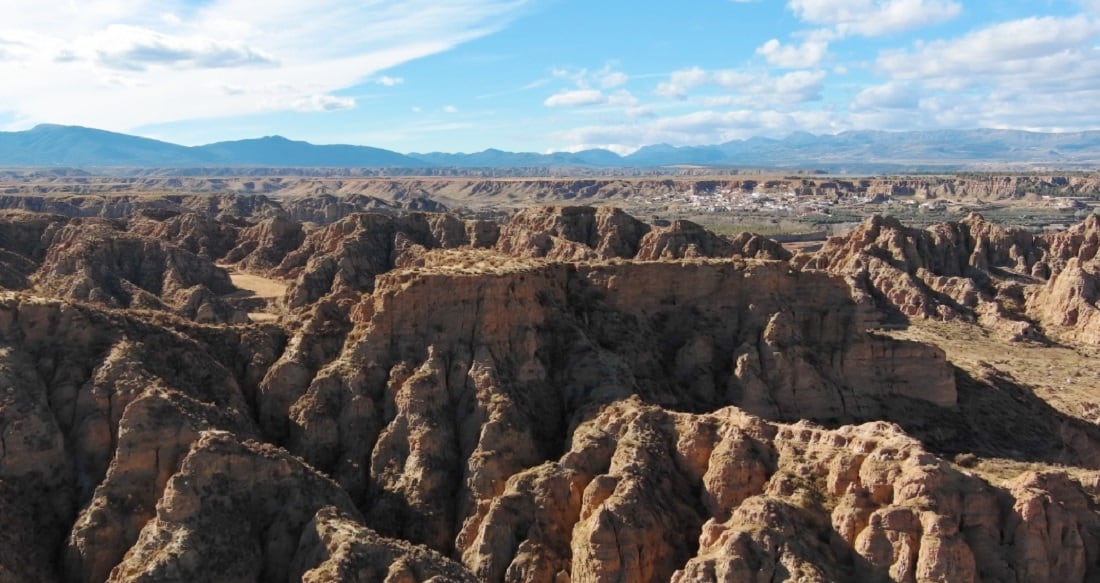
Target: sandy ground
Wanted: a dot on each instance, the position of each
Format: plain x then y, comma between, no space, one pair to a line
1067,375
260,287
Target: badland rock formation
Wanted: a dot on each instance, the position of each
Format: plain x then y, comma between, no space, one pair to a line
1009,279
325,197
572,395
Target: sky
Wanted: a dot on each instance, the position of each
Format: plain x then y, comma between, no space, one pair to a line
546,75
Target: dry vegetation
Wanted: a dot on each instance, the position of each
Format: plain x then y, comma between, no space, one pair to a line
1064,375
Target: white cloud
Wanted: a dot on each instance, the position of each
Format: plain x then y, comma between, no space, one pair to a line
608,77
799,85
450,109
613,79
1046,47
805,55
680,82
605,78
585,95
1035,73
123,64
322,103
888,96
136,49
699,127
622,98
874,17
576,98
387,81
746,89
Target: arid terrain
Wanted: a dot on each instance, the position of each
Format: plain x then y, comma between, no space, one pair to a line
405,380
774,203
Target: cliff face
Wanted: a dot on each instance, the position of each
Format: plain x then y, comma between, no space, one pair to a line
22,246
329,198
347,255
575,396
423,421
942,271
263,246
72,440
1010,280
645,494
97,261
587,233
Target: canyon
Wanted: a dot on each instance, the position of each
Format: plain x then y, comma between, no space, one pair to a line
565,393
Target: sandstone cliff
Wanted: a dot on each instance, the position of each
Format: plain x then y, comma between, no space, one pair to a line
97,261
1018,283
263,246
576,396
326,198
580,233
349,254
645,494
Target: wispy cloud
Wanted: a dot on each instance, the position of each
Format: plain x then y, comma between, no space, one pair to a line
874,17
802,56
387,81
1034,73
699,127
121,64
744,88
134,48
589,88
575,98
323,103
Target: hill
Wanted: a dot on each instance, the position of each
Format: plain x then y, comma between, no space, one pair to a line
853,151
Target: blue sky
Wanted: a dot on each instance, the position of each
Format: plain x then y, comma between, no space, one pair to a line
546,75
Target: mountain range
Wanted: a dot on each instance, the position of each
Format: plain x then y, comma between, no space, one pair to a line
50,145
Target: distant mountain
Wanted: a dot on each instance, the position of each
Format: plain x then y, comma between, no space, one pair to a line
279,151
959,148
54,145
494,158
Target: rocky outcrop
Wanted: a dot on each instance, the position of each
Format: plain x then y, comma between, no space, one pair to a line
263,246
96,407
85,200
971,270
423,421
584,233
347,255
335,547
572,233
155,432
197,234
648,495
436,409
37,479
685,239
233,512
1009,280
357,188
1069,301
323,208
24,238
96,261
